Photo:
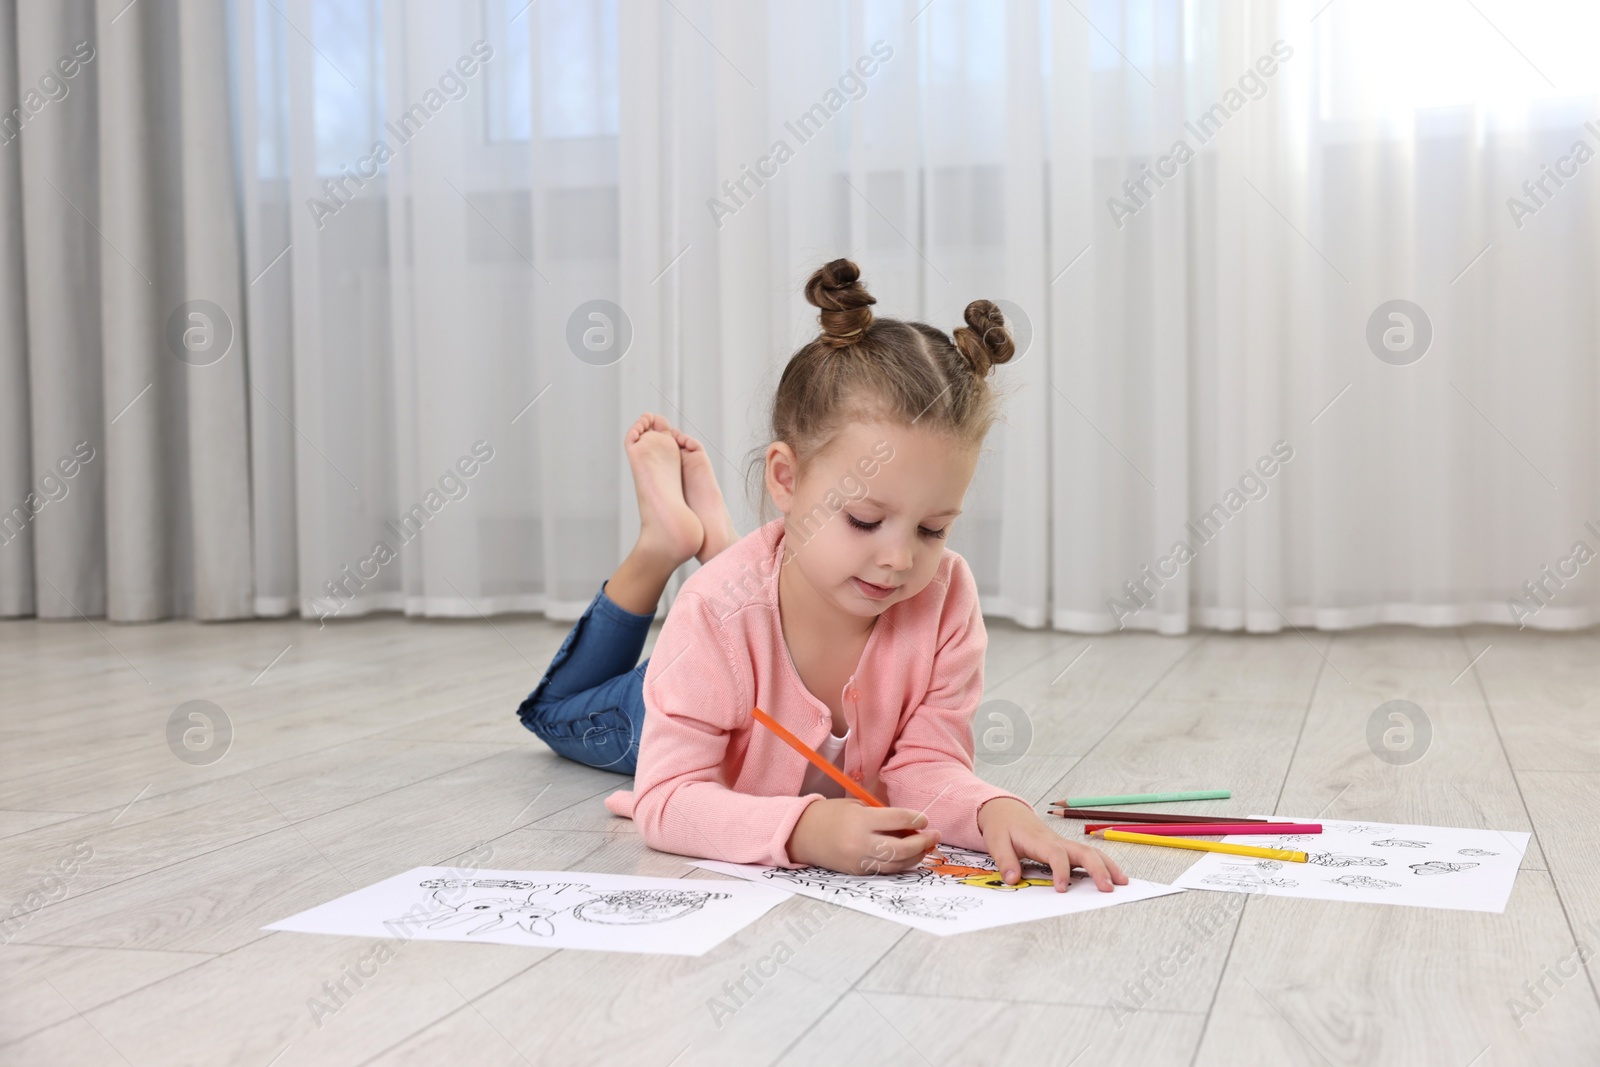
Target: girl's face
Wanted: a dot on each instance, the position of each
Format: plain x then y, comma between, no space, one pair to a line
866,523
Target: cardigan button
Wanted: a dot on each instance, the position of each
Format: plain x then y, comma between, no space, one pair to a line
855,776
852,694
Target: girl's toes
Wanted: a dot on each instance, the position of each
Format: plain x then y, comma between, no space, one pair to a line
668,526
640,426
704,497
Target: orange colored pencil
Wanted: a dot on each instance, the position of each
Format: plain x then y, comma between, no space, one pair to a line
823,765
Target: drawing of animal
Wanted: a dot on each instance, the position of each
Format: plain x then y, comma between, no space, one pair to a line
900,892
851,884
955,855
1440,867
1248,880
918,906
534,912
1475,852
958,870
1361,881
630,907
994,880
476,883
496,913
1399,842
1329,859
979,871
488,907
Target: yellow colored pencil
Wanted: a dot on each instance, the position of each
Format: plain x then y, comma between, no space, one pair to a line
1207,846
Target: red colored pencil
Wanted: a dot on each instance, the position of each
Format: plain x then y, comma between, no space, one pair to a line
1199,829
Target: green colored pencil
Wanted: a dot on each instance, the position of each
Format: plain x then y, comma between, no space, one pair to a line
1145,798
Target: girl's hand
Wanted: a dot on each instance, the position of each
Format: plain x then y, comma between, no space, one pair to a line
843,834
1011,829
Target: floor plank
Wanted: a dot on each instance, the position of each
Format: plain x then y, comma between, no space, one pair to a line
903,1031
44,985
20,822
1311,981
1398,986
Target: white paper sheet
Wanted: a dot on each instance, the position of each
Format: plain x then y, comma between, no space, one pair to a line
1378,862
956,898
549,909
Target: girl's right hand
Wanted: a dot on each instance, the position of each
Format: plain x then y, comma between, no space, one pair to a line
843,834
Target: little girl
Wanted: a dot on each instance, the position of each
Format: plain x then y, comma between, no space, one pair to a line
846,619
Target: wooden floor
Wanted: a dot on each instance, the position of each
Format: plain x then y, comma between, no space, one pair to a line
374,746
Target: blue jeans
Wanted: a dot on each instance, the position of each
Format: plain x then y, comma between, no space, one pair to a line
589,706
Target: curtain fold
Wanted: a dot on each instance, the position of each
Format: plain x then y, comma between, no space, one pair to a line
16,424
456,248
64,536
128,496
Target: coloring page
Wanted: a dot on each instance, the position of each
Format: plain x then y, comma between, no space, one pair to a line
1384,863
965,893
550,909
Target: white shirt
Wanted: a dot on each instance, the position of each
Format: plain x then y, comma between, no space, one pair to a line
832,750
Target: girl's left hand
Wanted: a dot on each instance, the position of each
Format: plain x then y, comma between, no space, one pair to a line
1012,830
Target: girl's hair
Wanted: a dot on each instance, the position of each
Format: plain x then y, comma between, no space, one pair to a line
865,367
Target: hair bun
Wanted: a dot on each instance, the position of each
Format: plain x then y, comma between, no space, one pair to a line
846,305
986,339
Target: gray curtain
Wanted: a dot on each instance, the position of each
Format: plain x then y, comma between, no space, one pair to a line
124,440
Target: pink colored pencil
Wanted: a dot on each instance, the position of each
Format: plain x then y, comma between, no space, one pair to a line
1204,829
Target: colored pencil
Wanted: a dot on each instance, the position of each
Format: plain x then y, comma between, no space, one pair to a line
1146,798
1207,846
1146,816
1202,829
825,766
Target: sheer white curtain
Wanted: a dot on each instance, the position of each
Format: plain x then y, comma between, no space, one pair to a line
434,194
1182,327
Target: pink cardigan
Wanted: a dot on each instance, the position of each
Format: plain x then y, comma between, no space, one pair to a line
711,782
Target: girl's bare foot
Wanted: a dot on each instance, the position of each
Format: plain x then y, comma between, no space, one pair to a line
704,497
669,530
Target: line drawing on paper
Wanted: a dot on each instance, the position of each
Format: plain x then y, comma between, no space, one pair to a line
1452,868
495,913
633,907
900,892
918,907
1440,867
904,892
477,883
1246,879
533,908
1330,859
1361,881
979,870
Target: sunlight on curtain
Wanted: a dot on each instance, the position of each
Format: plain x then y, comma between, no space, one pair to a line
1397,59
